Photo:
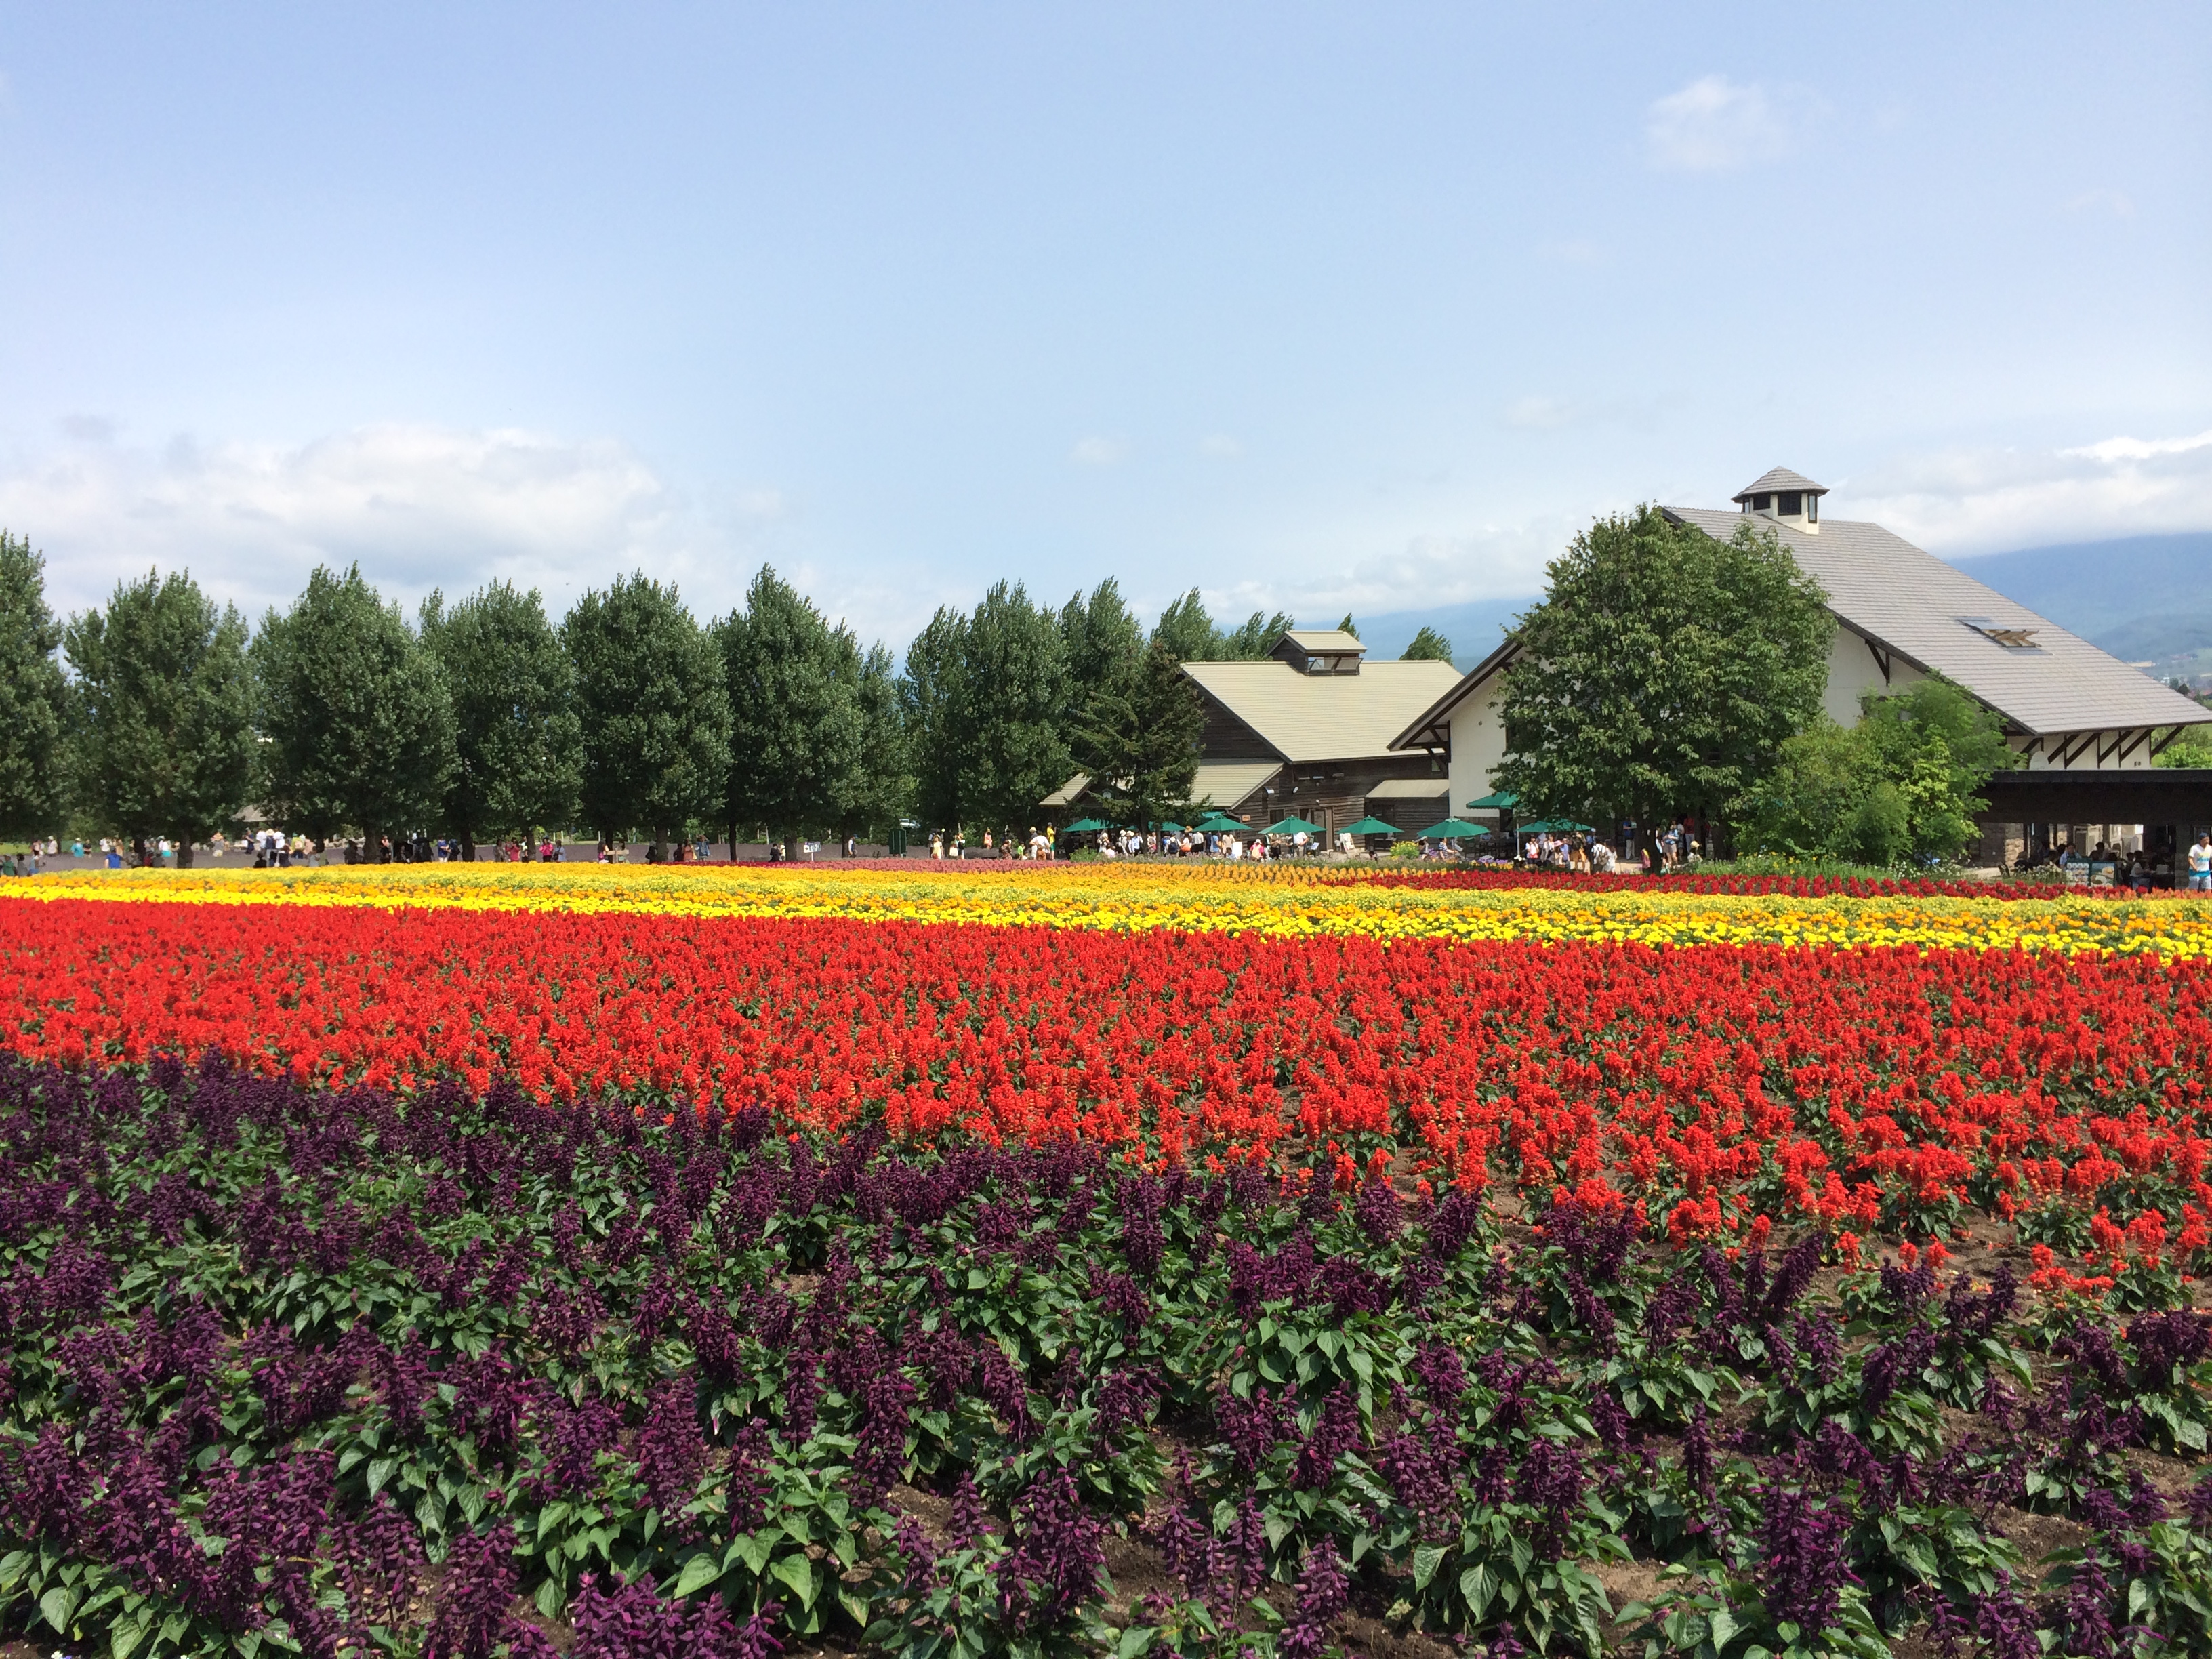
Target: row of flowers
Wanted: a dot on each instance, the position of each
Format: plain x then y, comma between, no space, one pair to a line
1205,900
325,1372
1718,1091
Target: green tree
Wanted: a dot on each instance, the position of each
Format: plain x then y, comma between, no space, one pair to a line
1346,626
517,743
1014,680
880,790
1663,672
1105,649
1937,747
1901,784
164,717
34,696
1145,747
1252,640
1187,630
655,714
934,713
797,729
357,724
1428,646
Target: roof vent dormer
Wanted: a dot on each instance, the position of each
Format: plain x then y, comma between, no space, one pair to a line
1321,650
1786,497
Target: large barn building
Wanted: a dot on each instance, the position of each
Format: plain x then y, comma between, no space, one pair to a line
2087,725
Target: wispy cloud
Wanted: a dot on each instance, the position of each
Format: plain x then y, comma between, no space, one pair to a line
1987,501
1220,446
1715,125
418,507
1543,413
1097,451
2111,202
1493,561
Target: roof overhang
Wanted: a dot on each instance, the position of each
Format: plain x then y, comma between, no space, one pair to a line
1433,730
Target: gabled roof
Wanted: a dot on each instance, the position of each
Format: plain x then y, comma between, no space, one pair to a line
1912,607
1229,784
1316,717
1431,727
1937,617
1323,642
1780,477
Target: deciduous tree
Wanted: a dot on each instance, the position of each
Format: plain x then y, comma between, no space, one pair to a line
1661,672
163,737
655,714
797,729
357,722
34,698
518,742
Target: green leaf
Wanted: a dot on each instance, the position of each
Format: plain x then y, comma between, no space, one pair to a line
797,1573
1721,1626
2190,1433
698,1572
1426,1560
55,1605
1478,1585
1137,1639
379,1472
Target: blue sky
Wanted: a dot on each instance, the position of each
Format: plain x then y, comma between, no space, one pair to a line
1319,307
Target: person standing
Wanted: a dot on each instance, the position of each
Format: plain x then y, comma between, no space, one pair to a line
2200,863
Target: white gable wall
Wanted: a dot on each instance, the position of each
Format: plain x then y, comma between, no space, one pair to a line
1852,670
1477,742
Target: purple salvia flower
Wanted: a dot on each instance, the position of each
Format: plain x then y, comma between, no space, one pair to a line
879,1458
1804,1566
1380,1215
1058,1555
1335,1432
471,1611
672,1455
1322,1594
1551,1479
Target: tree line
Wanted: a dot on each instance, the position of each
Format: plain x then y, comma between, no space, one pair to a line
482,718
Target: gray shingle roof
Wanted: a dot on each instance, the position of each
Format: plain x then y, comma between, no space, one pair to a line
1317,717
1937,617
1780,477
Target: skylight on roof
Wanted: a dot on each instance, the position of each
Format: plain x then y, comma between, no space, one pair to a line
2012,637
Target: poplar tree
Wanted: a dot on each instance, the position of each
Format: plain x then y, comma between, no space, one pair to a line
356,722
517,741
655,714
164,735
34,696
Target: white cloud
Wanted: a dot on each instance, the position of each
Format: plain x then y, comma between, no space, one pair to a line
1220,446
1495,562
1715,124
418,507
1097,451
1543,413
2110,202
2140,449
1988,500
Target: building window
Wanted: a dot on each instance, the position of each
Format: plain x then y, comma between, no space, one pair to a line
1812,509
1790,503
1761,503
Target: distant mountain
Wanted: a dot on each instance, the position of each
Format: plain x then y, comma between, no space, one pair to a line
2144,599
1475,630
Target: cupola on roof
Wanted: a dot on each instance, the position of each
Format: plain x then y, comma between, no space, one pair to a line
1777,480
1784,496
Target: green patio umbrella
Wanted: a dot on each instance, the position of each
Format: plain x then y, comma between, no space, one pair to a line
1555,826
1370,825
1219,823
1453,830
1498,800
1290,826
1172,828
1082,827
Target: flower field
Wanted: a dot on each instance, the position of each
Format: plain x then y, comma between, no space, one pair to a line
1290,902
459,1263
